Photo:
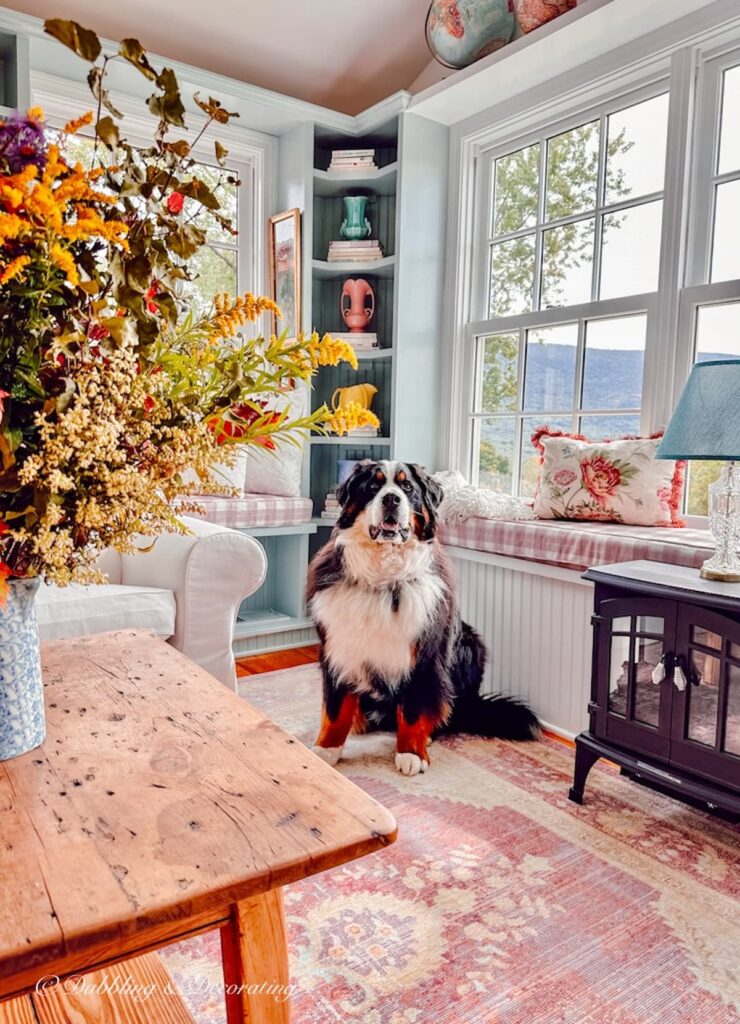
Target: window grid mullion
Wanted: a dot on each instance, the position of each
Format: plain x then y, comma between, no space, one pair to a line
600,203
539,244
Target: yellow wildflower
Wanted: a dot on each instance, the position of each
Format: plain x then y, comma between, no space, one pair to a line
35,114
231,313
14,268
349,417
63,259
12,226
330,351
79,122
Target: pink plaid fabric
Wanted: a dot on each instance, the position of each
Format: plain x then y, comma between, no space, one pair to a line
580,545
254,510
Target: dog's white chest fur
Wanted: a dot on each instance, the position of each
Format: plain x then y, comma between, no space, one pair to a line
375,616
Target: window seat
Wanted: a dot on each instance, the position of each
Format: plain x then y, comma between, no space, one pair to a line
574,545
254,510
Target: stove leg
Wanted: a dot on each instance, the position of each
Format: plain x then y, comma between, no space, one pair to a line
586,758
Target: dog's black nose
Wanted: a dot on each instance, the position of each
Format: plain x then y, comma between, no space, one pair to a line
391,500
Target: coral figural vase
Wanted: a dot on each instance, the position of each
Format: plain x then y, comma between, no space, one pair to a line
22,719
357,304
355,224
533,13
362,394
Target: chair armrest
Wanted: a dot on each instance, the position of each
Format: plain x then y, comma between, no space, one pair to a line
211,571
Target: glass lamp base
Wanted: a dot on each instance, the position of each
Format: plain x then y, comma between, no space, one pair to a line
724,523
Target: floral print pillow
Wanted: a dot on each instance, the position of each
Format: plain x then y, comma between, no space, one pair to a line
611,481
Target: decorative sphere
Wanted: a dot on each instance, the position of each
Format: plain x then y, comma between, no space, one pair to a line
460,32
533,13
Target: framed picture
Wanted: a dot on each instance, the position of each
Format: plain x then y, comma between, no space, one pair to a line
284,230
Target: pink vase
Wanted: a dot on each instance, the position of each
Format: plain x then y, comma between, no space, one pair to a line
357,304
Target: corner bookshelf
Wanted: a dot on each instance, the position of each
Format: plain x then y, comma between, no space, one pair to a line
407,212
375,367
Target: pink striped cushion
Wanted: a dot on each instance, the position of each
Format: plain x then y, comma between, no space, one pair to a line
580,545
253,510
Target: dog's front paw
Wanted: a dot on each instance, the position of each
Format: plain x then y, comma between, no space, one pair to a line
410,764
329,754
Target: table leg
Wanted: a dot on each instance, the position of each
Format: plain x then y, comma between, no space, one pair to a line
255,959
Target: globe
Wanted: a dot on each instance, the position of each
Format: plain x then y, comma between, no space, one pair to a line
460,32
533,13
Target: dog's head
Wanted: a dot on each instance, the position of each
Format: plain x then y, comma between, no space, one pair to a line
392,501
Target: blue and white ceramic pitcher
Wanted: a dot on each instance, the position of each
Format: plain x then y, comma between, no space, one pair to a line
22,719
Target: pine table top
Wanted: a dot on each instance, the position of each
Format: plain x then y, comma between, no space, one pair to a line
158,800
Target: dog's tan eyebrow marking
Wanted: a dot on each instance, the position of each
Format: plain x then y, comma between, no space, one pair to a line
379,474
400,476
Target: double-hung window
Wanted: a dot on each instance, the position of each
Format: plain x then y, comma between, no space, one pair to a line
710,305
569,237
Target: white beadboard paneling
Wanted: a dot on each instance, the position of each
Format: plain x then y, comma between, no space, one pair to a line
536,623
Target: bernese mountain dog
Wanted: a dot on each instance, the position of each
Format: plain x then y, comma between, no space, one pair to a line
394,652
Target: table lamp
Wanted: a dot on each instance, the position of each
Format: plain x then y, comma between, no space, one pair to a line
706,425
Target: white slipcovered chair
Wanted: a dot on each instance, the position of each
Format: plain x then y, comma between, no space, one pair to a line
186,589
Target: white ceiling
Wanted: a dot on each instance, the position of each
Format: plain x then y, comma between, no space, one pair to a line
342,54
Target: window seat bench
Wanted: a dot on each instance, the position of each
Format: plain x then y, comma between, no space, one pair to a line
579,545
520,585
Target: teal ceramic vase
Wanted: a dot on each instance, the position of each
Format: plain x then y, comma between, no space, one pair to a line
355,224
22,719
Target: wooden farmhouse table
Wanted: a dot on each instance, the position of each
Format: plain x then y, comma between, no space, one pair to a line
161,805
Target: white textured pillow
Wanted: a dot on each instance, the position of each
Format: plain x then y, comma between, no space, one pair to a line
278,472
225,476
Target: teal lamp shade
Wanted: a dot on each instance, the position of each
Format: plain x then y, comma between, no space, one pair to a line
706,422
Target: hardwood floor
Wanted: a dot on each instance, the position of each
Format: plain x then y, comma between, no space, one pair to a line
276,660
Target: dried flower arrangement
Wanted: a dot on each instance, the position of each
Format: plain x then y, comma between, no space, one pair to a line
111,390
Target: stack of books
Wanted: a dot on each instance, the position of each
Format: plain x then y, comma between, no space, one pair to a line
332,507
365,250
344,160
363,432
361,342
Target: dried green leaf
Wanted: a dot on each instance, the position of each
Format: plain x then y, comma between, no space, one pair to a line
95,81
167,104
221,153
132,51
107,131
81,40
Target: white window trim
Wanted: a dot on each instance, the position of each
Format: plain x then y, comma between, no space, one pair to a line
254,153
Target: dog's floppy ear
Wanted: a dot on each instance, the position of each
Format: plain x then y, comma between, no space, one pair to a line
344,490
431,496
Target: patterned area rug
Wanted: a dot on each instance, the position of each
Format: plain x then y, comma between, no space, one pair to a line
502,901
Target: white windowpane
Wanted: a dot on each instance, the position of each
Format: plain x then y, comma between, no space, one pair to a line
630,255
567,269
530,458
718,331
726,245
609,428
216,271
729,150
717,337
636,150
216,179
615,354
572,172
516,187
499,373
496,453
550,375
512,276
